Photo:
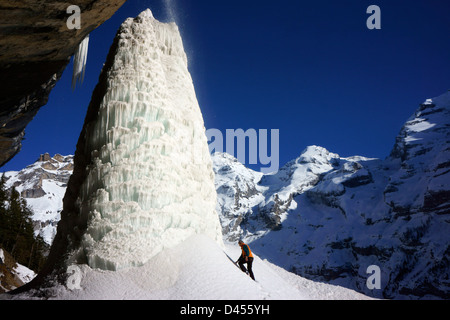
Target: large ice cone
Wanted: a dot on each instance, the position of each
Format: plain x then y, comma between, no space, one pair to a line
143,178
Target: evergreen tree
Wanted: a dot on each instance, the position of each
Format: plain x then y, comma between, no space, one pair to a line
17,232
20,224
38,254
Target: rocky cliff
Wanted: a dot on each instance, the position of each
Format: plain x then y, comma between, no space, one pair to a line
35,47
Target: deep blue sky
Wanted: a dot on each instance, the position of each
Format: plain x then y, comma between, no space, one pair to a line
311,69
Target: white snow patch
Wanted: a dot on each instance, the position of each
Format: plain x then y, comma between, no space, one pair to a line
24,274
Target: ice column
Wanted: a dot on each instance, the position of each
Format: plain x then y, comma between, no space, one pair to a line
150,184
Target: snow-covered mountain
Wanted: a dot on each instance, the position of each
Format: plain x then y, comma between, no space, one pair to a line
329,218
43,185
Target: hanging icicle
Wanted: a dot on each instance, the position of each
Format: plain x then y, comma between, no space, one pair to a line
79,62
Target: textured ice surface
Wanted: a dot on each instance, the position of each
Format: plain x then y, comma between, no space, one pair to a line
151,184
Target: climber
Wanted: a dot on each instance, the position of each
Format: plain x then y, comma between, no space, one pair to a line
246,258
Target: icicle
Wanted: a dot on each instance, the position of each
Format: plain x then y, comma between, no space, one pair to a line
79,62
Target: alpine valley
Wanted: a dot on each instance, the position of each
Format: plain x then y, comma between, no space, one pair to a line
321,216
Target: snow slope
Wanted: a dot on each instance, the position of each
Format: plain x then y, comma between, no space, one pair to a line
197,269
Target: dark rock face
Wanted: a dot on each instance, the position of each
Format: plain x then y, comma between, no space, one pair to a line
35,47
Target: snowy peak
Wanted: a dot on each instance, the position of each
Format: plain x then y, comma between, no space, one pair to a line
245,196
36,179
316,154
58,168
230,168
442,101
422,131
316,164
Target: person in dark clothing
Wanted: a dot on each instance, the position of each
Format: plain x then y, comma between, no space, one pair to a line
246,258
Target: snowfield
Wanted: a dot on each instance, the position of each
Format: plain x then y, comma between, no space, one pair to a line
197,269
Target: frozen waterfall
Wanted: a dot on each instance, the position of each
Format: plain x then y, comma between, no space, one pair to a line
149,183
